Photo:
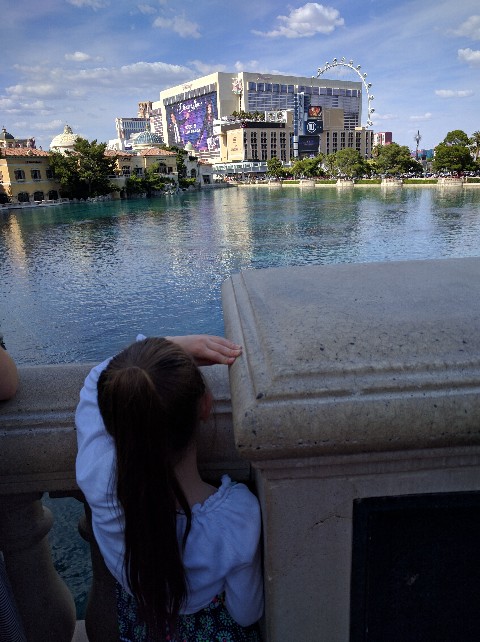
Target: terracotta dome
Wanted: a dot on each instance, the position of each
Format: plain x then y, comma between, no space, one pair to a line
64,141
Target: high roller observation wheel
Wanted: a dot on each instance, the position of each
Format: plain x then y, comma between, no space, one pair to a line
367,85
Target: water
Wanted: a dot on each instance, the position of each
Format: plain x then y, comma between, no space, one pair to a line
78,282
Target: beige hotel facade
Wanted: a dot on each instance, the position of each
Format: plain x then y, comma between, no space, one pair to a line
303,116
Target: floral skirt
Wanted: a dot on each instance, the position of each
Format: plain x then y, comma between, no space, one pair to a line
212,624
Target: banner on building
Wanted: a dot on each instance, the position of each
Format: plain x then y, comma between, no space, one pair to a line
308,145
191,121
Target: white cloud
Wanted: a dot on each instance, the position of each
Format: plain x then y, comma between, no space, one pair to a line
377,117
146,9
92,4
306,21
61,82
426,116
453,93
179,24
78,56
205,68
251,65
469,56
39,89
470,28
51,126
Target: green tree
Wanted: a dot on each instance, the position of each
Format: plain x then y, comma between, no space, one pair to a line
330,163
308,167
275,168
456,137
452,158
85,171
349,162
135,185
474,145
395,159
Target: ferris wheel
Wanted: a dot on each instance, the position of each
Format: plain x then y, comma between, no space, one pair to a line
367,85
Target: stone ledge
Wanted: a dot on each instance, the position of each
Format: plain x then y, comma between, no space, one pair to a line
38,440
355,358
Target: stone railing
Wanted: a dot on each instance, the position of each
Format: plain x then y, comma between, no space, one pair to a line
37,456
357,402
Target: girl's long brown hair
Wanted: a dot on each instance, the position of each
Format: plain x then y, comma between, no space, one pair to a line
149,398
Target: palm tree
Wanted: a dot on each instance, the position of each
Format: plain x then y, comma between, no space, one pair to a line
475,144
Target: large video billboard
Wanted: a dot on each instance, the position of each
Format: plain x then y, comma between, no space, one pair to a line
191,121
308,145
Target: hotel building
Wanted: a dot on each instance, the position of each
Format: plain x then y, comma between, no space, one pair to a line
303,116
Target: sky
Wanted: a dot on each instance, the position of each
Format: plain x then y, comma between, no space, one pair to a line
86,62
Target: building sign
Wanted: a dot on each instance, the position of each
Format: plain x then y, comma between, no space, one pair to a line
314,120
314,126
237,86
308,145
191,121
315,111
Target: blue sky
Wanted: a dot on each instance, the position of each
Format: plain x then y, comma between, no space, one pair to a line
85,62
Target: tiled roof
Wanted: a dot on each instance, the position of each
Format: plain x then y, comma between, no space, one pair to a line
116,152
21,151
154,151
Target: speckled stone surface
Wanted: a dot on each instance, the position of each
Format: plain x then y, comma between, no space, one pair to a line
356,357
356,381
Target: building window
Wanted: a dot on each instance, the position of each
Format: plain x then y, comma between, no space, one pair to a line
49,173
125,170
23,197
19,175
38,196
255,152
138,171
264,155
36,174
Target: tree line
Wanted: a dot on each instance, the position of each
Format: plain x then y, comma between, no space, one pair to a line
457,153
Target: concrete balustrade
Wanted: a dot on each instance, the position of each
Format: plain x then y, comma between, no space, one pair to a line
356,382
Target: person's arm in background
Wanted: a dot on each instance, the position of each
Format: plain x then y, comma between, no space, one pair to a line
8,376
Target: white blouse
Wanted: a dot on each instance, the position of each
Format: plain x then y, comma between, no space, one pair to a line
222,552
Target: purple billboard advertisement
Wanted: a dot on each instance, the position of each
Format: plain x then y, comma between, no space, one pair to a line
191,121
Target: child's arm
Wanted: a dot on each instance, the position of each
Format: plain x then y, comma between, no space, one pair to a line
208,350
244,581
8,376
244,592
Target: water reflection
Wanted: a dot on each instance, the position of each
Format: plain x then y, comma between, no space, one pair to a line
78,281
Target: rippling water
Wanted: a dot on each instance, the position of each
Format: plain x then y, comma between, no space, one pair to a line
79,281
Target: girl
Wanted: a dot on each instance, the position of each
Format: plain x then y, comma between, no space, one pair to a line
185,554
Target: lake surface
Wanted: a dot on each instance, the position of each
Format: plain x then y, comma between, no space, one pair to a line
78,282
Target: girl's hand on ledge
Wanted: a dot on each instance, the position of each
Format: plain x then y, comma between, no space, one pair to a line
208,350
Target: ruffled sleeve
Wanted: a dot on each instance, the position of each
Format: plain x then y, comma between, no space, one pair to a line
94,469
244,581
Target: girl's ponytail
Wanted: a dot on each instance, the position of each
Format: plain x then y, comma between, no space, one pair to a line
149,399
